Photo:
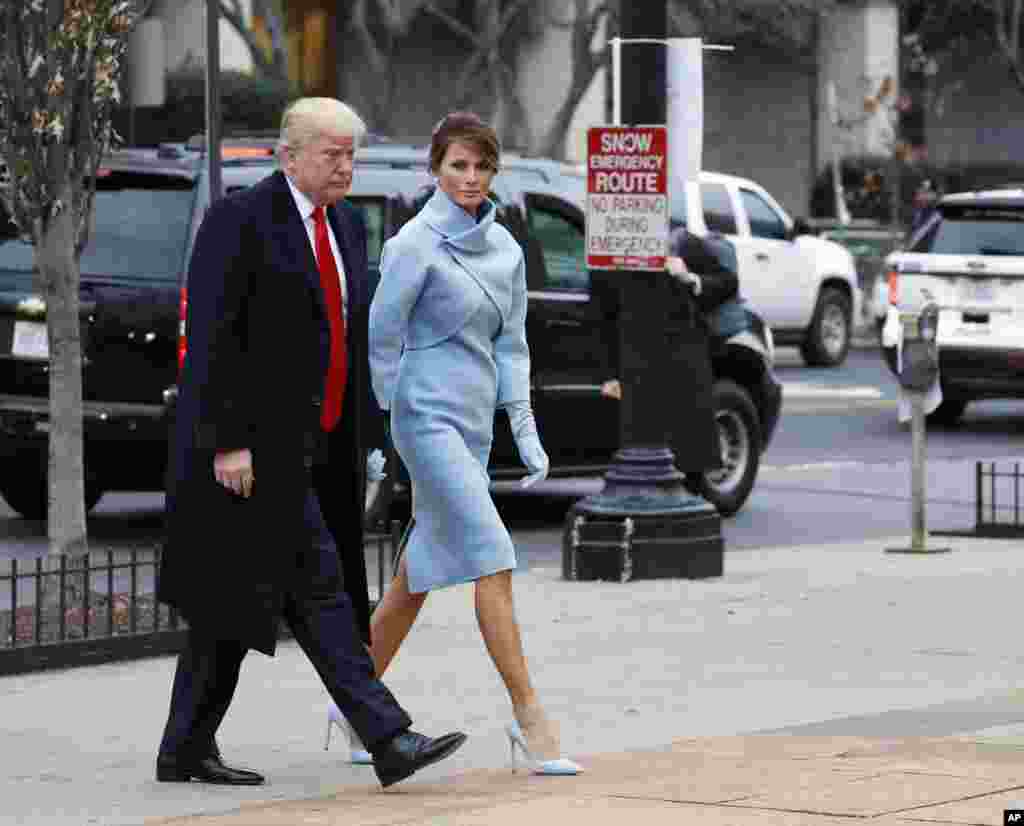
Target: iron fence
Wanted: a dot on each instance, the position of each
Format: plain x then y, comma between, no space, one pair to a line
59,612
997,507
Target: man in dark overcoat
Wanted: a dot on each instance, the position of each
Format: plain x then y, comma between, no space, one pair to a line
266,479
700,283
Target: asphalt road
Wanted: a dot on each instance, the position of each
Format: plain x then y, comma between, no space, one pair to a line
837,470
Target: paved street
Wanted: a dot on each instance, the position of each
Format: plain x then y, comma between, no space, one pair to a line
838,469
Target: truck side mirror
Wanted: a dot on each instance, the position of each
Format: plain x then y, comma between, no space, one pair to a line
800,227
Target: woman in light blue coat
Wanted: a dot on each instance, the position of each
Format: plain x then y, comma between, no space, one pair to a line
447,349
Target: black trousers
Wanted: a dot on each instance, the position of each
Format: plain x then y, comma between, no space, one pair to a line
320,616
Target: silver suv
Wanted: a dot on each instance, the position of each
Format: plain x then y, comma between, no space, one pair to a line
969,258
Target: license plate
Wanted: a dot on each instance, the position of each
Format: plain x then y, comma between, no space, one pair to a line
977,291
30,340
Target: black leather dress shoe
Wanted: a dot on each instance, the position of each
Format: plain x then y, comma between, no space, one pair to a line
409,752
210,769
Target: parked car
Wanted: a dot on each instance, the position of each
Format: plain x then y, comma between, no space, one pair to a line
148,208
969,258
805,288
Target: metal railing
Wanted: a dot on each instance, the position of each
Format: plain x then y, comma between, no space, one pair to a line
997,506
60,612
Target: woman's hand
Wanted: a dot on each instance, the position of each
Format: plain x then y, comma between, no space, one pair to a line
524,431
233,469
536,460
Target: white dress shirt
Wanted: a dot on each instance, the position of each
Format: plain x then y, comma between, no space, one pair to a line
306,209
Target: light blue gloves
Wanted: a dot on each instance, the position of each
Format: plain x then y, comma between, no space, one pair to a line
524,431
375,466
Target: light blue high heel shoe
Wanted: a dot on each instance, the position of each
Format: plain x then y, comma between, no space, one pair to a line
358,755
556,766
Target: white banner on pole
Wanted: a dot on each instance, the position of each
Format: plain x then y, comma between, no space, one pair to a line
685,70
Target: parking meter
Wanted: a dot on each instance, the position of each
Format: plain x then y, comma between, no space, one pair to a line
919,354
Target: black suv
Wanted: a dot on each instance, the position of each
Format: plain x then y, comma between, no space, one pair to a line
148,207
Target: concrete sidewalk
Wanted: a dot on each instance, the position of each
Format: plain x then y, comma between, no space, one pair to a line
917,659
718,781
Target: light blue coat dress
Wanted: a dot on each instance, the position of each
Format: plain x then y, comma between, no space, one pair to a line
447,348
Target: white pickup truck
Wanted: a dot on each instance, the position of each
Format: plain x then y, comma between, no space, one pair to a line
804,287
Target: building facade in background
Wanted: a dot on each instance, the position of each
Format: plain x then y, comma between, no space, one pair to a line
767,115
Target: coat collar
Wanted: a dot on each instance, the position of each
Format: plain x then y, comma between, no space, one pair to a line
291,232
458,227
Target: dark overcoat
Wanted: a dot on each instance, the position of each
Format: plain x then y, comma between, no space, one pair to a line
693,432
253,377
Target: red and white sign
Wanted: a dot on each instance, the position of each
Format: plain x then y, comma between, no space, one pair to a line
627,197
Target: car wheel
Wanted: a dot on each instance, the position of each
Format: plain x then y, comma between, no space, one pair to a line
739,436
828,337
24,489
948,413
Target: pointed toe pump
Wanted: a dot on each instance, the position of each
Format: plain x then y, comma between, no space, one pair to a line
358,755
536,737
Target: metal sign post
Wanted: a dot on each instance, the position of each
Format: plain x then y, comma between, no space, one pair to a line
643,524
213,159
617,42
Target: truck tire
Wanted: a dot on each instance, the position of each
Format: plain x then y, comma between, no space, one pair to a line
828,336
739,433
24,489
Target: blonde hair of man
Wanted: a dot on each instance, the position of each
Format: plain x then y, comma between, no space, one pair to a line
306,119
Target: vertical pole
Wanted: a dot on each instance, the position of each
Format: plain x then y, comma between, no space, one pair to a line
617,81
642,484
213,98
918,532
978,491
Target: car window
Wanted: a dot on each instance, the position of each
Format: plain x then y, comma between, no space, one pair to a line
373,216
562,244
974,232
718,212
140,229
765,222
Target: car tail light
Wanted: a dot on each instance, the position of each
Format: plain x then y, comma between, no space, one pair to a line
894,288
182,341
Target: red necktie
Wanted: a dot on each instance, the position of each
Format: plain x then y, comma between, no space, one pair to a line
334,390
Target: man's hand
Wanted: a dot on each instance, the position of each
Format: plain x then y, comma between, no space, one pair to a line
676,267
233,469
612,389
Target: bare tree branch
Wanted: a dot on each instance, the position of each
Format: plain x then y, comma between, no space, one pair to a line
585,64
1009,15
486,45
359,25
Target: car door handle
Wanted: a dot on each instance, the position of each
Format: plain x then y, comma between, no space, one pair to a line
564,322
760,256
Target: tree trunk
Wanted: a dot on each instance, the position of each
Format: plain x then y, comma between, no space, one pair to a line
58,269
552,145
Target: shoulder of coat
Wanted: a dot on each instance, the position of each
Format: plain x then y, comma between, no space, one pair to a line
503,239
409,239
